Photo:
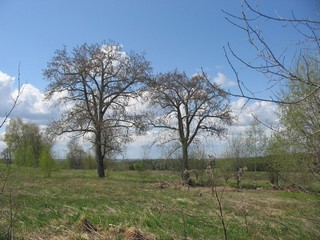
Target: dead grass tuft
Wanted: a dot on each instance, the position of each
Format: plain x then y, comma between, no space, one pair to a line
130,233
84,225
133,234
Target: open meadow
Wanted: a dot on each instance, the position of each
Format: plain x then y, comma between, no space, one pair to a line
160,120
75,204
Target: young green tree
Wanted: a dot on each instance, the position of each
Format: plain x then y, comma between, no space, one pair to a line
47,162
25,141
300,122
279,160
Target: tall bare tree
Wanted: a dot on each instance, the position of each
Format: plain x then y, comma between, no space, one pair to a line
98,81
187,107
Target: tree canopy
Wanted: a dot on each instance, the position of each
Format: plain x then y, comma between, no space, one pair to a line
186,108
97,81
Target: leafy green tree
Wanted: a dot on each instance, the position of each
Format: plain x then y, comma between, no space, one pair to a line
226,168
279,156
47,162
25,141
300,122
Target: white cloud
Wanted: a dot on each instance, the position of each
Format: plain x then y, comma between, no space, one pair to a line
30,104
5,79
264,111
142,147
139,104
31,100
6,84
223,81
2,144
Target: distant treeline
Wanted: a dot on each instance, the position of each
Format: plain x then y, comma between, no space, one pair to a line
259,164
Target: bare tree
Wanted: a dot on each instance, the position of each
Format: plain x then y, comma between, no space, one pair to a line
98,81
275,66
186,107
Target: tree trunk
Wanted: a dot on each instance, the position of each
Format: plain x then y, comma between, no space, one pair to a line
99,157
185,166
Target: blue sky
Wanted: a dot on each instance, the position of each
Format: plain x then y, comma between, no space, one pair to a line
183,34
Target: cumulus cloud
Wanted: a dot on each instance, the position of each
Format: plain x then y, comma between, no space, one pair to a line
5,79
223,81
264,111
6,85
31,100
31,104
139,104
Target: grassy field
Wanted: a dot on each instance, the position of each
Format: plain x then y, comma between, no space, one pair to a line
148,205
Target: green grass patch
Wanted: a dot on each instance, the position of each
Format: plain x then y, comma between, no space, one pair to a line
156,202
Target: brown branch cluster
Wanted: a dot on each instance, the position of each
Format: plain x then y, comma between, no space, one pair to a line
273,65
